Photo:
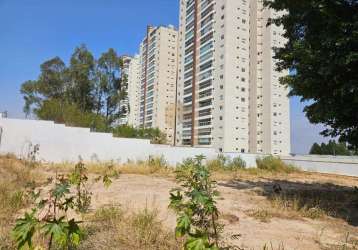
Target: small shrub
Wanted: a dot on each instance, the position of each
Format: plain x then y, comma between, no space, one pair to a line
157,163
225,163
51,217
237,163
217,164
274,164
195,206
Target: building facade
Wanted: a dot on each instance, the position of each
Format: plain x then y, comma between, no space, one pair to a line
124,103
134,75
158,67
229,96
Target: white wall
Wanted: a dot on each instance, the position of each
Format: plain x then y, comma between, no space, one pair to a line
345,165
59,143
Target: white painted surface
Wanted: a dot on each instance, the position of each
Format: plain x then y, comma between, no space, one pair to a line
59,143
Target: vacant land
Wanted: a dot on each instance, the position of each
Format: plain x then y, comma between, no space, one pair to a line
295,210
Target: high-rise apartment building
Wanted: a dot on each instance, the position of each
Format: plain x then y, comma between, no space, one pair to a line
158,59
229,96
134,77
124,103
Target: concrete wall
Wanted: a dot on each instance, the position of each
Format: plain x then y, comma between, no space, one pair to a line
344,165
59,143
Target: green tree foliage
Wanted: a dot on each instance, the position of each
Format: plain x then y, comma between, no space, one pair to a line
110,85
153,134
315,149
84,93
331,148
195,205
81,74
322,48
51,84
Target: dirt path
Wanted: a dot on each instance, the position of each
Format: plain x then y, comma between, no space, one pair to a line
135,192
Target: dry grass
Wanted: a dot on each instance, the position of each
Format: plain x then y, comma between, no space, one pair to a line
262,215
156,166
317,201
347,242
15,178
295,207
297,200
113,228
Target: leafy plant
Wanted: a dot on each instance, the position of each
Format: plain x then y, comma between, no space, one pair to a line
195,206
79,178
50,216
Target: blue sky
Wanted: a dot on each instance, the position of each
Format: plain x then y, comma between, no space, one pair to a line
32,31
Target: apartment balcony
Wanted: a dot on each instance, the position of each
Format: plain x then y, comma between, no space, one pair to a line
205,136
186,129
206,79
204,141
186,136
204,117
205,125
210,105
205,94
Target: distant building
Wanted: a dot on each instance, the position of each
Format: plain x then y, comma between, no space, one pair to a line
3,114
158,75
229,96
134,88
124,103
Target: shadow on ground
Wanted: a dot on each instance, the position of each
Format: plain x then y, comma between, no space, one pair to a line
336,201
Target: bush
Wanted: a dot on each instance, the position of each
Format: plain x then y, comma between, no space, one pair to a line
153,134
157,162
236,163
71,115
223,162
274,164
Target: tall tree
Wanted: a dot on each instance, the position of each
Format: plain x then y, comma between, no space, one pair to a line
322,47
331,148
315,149
110,82
86,93
82,75
51,84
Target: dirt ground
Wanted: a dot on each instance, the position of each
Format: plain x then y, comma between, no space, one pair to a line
281,230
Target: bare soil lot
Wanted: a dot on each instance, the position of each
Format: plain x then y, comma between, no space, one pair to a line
296,210
251,217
